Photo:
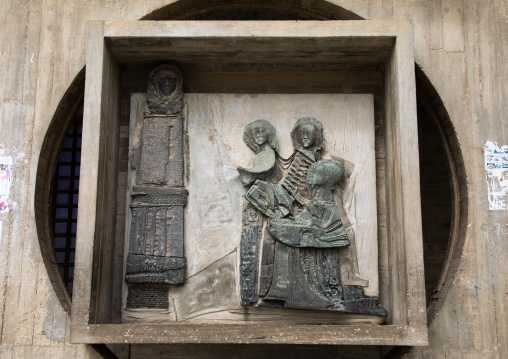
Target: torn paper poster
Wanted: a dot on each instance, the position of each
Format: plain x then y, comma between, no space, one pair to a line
496,165
5,182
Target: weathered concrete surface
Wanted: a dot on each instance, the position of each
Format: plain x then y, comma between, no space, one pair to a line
42,49
460,45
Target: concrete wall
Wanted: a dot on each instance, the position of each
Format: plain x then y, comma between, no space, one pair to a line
462,46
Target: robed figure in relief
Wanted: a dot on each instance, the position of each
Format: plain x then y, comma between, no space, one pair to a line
300,248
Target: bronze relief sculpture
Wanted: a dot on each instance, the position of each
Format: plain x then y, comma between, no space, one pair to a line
156,257
164,91
261,138
308,141
299,265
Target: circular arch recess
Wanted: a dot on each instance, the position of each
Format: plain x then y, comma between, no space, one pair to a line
45,178
444,208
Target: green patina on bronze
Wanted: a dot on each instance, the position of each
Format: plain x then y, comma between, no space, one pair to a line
261,138
300,262
156,235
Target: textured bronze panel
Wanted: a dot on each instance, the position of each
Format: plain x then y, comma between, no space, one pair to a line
158,199
249,254
157,231
148,296
300,266
162,151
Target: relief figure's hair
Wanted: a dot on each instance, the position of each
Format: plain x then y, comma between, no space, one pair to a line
159,102
319,142
333,171
248,137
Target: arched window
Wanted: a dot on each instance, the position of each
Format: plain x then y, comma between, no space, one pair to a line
65,201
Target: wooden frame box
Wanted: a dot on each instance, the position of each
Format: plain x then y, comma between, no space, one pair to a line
351,44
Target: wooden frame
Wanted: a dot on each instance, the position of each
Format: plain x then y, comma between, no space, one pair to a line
351,43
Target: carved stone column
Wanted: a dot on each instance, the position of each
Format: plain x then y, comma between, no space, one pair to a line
156,254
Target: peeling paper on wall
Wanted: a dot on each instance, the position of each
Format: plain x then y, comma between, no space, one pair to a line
5,182
496,165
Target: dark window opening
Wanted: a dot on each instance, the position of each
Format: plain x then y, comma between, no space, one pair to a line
65,201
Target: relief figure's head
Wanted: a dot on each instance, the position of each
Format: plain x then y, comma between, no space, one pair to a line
308,135
166,83
164,92
323,176
260,133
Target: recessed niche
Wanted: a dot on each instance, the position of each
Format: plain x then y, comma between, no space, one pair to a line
276,61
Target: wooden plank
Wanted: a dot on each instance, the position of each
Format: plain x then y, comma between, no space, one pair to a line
404,217
304,41
410,185
327,82
106,196
248,334
260,29
89,176
253,351
98,176
397,310
120,223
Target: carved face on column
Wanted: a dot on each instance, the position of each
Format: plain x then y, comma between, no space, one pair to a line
164,92
166,83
